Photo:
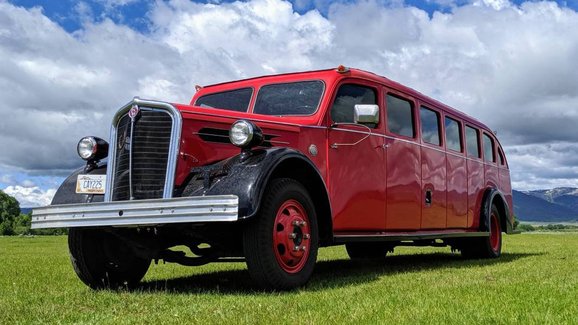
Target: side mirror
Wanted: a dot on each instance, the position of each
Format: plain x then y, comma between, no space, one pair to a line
366,114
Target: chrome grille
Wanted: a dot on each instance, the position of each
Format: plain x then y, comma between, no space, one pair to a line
150,148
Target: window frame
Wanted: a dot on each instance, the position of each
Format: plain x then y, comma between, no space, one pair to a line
493,143
412,103
478,138
439,127
256,96
358,82
461,135
249,105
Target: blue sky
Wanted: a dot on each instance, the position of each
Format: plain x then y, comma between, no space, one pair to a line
133,13
68,65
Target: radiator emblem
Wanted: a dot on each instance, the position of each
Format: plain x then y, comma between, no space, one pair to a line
133,112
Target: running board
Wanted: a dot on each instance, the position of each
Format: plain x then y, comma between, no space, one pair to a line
405,236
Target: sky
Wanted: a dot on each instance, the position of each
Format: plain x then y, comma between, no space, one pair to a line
67,66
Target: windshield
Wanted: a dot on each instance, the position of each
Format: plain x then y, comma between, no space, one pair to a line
295,98
233,100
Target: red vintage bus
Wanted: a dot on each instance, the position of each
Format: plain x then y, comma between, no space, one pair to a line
269,169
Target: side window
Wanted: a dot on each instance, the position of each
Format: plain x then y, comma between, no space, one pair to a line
453,138
400,116
472,141
347,96
430,130
501,155
488,149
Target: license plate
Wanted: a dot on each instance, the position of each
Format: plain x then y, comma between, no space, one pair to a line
90,184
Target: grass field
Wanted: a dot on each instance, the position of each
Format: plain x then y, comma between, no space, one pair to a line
535,281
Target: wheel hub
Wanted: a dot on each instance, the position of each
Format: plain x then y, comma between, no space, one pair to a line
291,236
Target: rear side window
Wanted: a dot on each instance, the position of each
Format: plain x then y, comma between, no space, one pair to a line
232,100
502,160
472,141
453,138
347,97
400,116
430,131
489,148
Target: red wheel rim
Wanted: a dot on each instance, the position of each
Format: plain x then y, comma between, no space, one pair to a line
291,236
495,233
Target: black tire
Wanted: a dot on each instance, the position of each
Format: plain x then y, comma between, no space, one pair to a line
486,247
366,251
103,261
274,257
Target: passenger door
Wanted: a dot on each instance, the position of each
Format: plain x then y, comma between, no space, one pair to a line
457,175
475,168
356,168
433,170
403,165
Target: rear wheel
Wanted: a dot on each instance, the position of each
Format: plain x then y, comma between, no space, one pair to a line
102,260
281,244
486,247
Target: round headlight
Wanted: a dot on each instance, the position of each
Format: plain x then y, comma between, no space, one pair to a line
86,148
92,148
241,133
245,134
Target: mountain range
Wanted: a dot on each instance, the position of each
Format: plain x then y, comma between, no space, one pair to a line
556,205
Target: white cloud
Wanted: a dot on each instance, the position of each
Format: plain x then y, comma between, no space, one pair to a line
29,197
513,67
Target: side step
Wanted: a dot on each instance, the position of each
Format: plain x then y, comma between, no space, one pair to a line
405,236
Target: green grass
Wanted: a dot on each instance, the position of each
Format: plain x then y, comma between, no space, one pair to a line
535,281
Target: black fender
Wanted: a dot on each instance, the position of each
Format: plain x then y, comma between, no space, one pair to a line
66,193
246,178
494,196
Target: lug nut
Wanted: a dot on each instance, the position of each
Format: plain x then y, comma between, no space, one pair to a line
306,236
303,224
303,248
296,248
292,235
295,223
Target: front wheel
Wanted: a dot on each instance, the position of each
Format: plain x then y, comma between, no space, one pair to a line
102,260
281,244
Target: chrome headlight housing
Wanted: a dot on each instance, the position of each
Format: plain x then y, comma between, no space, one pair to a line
92,148
245,134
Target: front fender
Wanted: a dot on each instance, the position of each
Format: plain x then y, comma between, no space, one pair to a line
246,178
66,193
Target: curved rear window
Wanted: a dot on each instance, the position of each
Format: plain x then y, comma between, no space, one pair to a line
232,100
295,98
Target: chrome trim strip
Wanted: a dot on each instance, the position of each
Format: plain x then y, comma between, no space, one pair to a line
173,147
138,212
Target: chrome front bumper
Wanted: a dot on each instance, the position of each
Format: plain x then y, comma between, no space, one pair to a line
139,212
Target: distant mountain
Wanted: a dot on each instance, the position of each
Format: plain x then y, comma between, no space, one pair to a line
554,205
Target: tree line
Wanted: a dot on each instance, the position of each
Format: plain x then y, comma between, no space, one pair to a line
14,222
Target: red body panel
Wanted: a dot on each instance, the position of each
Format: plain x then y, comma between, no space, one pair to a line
433,175
377,185
457,191
475,168
403,185
361,168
